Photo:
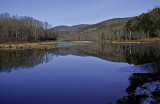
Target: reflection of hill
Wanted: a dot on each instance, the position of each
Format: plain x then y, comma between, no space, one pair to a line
70,51
112,52
119,53
108,52
116,52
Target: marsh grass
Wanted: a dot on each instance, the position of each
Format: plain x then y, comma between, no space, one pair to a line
38,45
24,46
155,41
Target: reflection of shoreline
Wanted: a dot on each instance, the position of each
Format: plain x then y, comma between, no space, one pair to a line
111,52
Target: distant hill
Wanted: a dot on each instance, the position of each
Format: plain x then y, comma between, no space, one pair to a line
69,28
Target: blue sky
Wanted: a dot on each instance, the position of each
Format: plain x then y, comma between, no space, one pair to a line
73,12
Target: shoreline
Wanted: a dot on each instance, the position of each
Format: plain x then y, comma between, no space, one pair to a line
47,44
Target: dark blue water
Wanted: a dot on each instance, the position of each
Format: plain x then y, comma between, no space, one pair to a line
62,78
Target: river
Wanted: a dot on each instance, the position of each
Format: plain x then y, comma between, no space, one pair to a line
97,73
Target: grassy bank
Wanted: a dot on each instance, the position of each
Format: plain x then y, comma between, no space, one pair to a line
152,41
47,44
38,45
26,46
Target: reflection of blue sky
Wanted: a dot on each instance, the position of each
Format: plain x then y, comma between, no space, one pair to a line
70,44
72,12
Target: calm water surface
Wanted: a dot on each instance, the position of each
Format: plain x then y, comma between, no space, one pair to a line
90,74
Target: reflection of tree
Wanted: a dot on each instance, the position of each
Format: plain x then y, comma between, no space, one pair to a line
136,55
24,58
141,55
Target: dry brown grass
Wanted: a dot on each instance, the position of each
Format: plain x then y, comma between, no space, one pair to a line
26,46
79,42
140,41
40,45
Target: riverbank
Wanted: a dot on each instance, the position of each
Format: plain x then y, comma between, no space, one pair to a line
150,41
37,45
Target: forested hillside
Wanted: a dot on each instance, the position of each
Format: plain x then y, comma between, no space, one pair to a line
108,30
23,28
147,25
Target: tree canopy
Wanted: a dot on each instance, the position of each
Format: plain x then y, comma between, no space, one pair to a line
147,25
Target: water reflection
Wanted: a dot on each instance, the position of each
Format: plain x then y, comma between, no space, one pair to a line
144,57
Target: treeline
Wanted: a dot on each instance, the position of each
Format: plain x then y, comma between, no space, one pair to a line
147,25
24,28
